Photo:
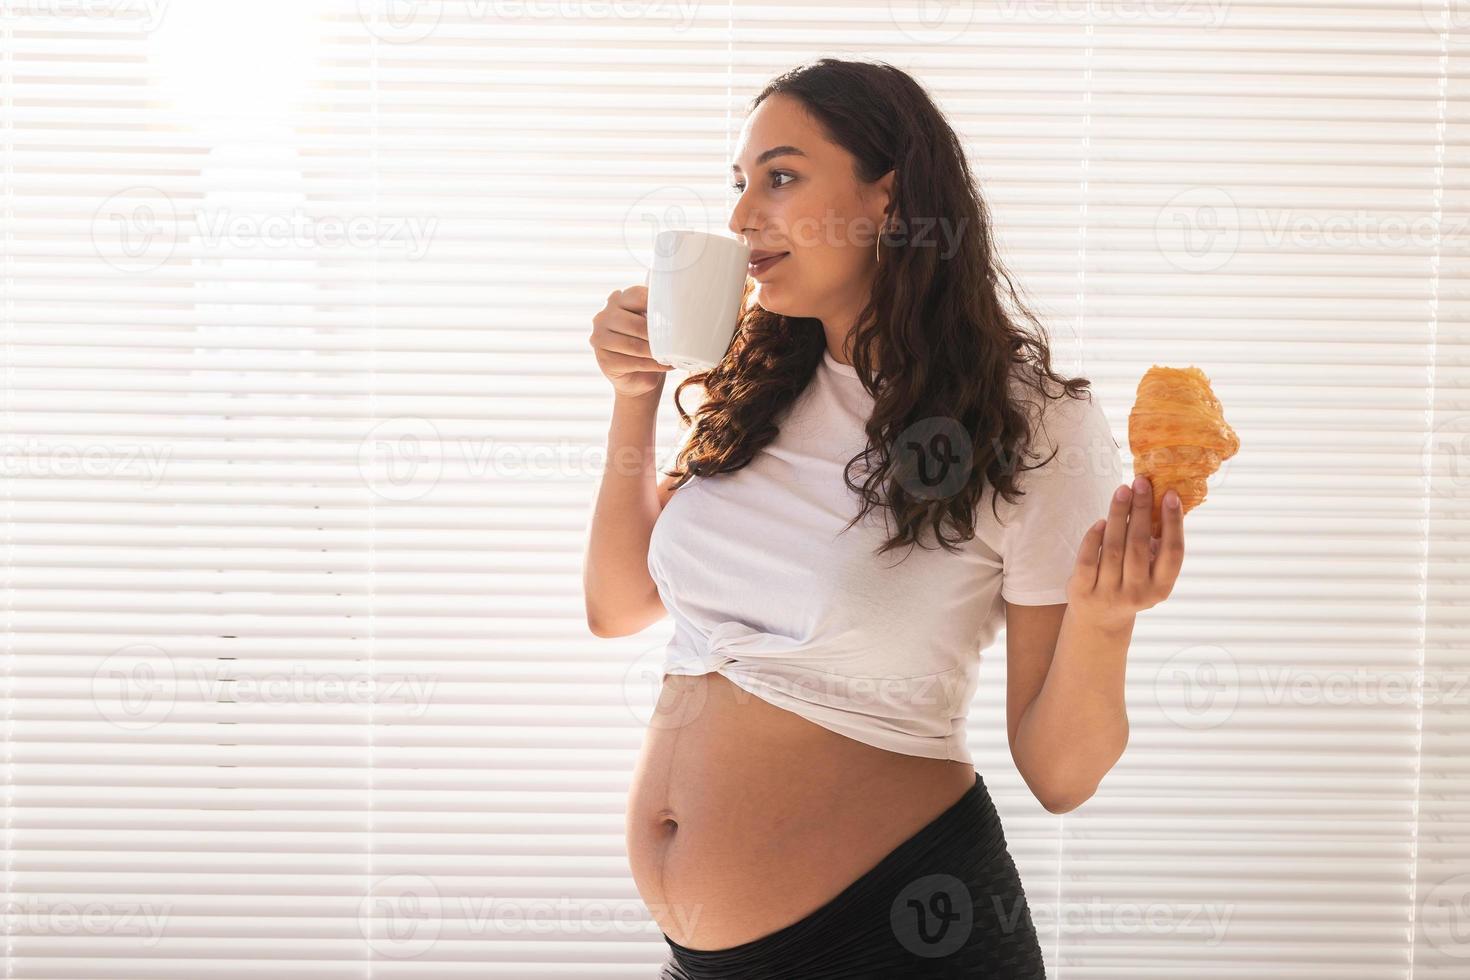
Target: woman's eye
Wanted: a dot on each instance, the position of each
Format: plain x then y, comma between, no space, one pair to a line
739,188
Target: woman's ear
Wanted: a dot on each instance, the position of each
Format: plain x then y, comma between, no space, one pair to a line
885,191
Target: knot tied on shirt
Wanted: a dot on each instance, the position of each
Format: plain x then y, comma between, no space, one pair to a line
735,639
819,672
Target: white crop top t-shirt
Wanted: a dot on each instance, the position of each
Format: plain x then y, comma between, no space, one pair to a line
763,588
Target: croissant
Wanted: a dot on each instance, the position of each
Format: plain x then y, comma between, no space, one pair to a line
1178,435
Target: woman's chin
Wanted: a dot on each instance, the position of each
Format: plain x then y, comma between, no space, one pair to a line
771,301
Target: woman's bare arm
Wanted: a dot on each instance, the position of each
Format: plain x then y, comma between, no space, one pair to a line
621,597
619,594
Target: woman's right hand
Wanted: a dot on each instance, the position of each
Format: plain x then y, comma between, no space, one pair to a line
620,341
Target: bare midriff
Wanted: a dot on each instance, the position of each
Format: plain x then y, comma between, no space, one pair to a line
744,818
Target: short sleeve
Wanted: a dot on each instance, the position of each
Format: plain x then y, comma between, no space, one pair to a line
1042,531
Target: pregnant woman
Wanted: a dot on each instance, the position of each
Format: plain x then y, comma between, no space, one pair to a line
883,472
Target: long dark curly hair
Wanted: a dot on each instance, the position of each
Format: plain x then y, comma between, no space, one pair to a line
947,347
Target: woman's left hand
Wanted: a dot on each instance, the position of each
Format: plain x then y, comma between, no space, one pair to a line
1121,569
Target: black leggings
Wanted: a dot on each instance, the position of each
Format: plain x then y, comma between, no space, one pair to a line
947,902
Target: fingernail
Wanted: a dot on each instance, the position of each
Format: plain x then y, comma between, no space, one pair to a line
1171,498
1140,484
1123,493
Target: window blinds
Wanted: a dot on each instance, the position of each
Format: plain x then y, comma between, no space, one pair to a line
303,432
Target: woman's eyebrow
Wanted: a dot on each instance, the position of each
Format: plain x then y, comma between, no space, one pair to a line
771,154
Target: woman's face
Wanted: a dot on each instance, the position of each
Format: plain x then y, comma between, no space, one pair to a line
798,194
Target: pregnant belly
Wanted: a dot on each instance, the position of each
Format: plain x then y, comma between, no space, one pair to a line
744,818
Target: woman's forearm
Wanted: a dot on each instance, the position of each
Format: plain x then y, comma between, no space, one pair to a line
619,593
1076,728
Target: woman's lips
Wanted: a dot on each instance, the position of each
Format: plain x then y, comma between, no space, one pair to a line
759,269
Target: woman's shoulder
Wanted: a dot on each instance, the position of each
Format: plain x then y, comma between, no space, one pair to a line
1056,416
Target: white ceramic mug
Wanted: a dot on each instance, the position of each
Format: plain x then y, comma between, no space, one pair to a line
694,292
